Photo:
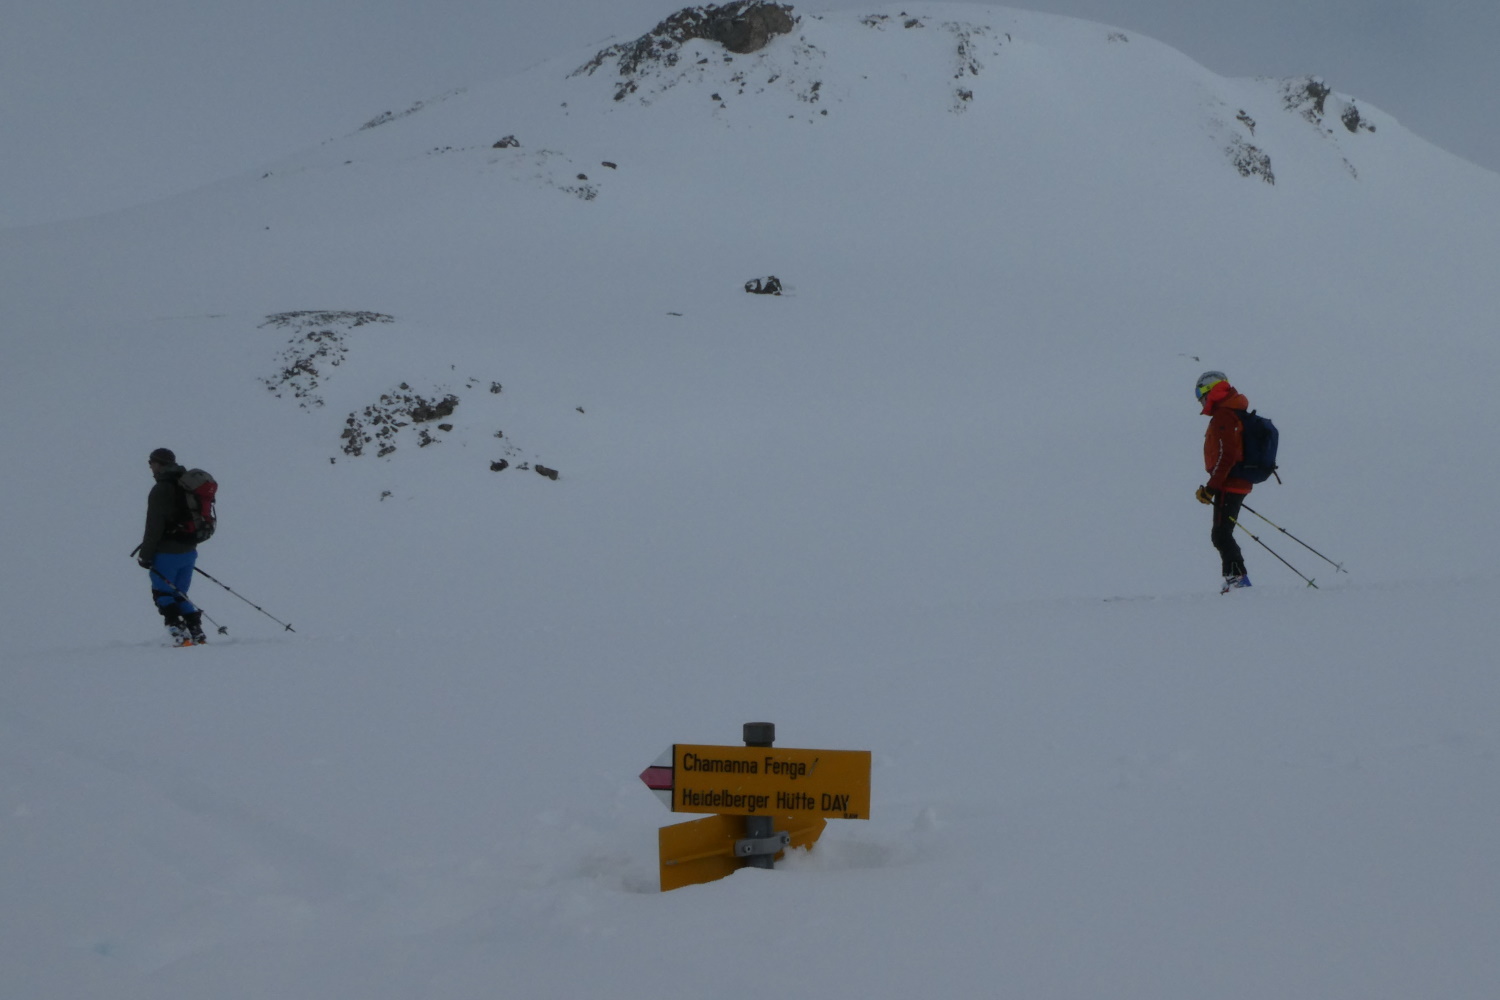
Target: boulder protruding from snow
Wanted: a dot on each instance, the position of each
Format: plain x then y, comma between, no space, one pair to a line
764,286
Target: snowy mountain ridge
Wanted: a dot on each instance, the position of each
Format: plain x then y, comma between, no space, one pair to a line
647,68
941,49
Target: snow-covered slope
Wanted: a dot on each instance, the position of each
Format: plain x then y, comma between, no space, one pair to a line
934,501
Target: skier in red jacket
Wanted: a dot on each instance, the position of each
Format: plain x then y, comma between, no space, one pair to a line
1222,449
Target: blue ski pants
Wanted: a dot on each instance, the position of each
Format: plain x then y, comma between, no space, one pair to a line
171,575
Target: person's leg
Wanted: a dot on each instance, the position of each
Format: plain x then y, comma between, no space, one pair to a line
1226,512
183,579
161,591
169,585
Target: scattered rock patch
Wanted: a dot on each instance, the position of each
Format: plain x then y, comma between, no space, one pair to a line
378,424
1250,160
319,342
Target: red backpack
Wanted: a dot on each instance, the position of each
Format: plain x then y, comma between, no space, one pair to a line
199,490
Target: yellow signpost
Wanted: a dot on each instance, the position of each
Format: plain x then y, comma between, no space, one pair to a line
749,781
762,798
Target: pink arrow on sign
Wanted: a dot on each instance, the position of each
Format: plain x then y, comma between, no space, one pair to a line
658,777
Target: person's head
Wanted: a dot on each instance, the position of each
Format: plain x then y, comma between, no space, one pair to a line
162,458
1211,387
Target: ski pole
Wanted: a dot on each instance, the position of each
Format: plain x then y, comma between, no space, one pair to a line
257,607
223,629
1268,548
1337,566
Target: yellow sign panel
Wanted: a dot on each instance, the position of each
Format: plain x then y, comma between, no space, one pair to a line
776,781
703,849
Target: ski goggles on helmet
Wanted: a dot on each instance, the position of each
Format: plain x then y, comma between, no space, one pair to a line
1206,383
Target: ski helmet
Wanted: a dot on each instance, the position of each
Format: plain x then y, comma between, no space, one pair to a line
1207,381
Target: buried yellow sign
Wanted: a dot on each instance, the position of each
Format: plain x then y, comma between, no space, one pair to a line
703,850
752,781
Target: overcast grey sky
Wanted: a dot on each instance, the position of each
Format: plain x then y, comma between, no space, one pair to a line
106,104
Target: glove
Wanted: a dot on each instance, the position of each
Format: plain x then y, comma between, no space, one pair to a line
1206,495
143,562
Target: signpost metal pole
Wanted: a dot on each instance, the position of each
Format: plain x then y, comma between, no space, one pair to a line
760,734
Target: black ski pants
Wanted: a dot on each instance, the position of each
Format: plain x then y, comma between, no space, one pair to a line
1226,512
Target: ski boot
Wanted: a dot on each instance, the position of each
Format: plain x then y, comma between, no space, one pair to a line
177,628
194,622
1235,582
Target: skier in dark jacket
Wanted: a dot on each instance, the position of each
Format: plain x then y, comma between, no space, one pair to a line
1223,448
167,555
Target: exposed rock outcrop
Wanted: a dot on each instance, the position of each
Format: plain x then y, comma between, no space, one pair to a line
741,27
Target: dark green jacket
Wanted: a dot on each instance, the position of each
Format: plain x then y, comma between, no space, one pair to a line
165,512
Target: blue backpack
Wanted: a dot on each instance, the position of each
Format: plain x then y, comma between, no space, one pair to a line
1260,438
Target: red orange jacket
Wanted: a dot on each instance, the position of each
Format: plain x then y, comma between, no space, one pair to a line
1222,444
